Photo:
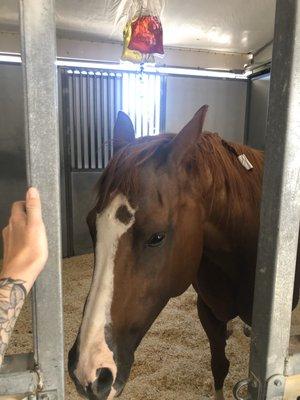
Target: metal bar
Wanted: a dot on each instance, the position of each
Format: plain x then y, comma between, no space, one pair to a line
18,375
71,131
109,99
38,42
280,211
68,135
91,107
15,383
77,120
163,104
247,112
157,104
104,118
97,122
18,363
84,119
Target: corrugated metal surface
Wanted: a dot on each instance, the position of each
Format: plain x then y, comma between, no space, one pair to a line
94,99
91,102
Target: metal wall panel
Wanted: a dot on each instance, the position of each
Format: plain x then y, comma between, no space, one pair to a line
258,111
92,103
226,98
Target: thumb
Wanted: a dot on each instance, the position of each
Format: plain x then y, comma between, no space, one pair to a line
33,205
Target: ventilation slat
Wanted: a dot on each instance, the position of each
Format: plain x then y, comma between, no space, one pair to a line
94,99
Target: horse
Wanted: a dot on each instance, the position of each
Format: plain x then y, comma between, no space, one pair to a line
172,211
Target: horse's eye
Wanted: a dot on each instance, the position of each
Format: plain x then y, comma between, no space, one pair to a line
156,239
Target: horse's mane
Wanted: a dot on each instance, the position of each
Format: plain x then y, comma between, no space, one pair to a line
210,158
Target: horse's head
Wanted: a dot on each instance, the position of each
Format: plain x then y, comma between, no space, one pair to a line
147,235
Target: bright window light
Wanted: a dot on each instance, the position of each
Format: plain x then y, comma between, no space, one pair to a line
141,101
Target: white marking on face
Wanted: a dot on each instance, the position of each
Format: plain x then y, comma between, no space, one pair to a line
94,352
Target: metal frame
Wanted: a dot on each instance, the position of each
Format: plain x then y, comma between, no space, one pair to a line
280,214
252,78
44,377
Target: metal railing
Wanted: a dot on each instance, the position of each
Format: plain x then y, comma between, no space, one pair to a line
41,375
270,364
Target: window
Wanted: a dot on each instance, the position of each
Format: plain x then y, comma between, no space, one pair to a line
141,101
91,101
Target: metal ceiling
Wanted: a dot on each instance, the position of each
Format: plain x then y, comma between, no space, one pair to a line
238,26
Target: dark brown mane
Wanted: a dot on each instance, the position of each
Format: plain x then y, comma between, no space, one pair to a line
208,159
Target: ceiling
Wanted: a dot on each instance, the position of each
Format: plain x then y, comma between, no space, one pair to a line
238,26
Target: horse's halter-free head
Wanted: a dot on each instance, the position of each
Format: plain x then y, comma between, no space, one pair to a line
148,243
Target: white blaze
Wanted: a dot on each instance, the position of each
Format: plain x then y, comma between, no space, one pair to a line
94,352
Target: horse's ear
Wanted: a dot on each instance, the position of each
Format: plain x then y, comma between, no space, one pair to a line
188,135
123,131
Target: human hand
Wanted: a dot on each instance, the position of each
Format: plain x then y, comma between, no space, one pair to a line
25,241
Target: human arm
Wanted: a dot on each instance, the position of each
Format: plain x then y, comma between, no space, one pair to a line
25,254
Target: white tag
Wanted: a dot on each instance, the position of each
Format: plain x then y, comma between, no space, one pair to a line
245,162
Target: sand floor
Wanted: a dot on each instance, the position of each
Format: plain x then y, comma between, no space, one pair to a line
173,360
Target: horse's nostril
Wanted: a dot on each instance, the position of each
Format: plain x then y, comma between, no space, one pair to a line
104,380
101,387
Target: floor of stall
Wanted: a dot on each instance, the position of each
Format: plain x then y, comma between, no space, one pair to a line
172,362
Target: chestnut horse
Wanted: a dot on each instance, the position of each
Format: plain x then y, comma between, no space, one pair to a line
173,210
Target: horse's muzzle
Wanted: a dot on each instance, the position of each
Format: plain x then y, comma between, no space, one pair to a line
100,389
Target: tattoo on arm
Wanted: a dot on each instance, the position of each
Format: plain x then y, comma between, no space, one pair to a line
12,297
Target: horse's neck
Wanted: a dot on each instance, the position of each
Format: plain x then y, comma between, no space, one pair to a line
232,206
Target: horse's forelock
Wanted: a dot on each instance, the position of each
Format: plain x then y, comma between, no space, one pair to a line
121,173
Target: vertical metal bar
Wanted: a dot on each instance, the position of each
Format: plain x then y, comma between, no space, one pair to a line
43,160
105,117
132,97
119,92
157,104
69,152
91,82
71,118
280,211
110,110
247,111
118,99
144,101
98,116
151,102
115,108
125,93
77,120
84,119
163,104
137,104
64,159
